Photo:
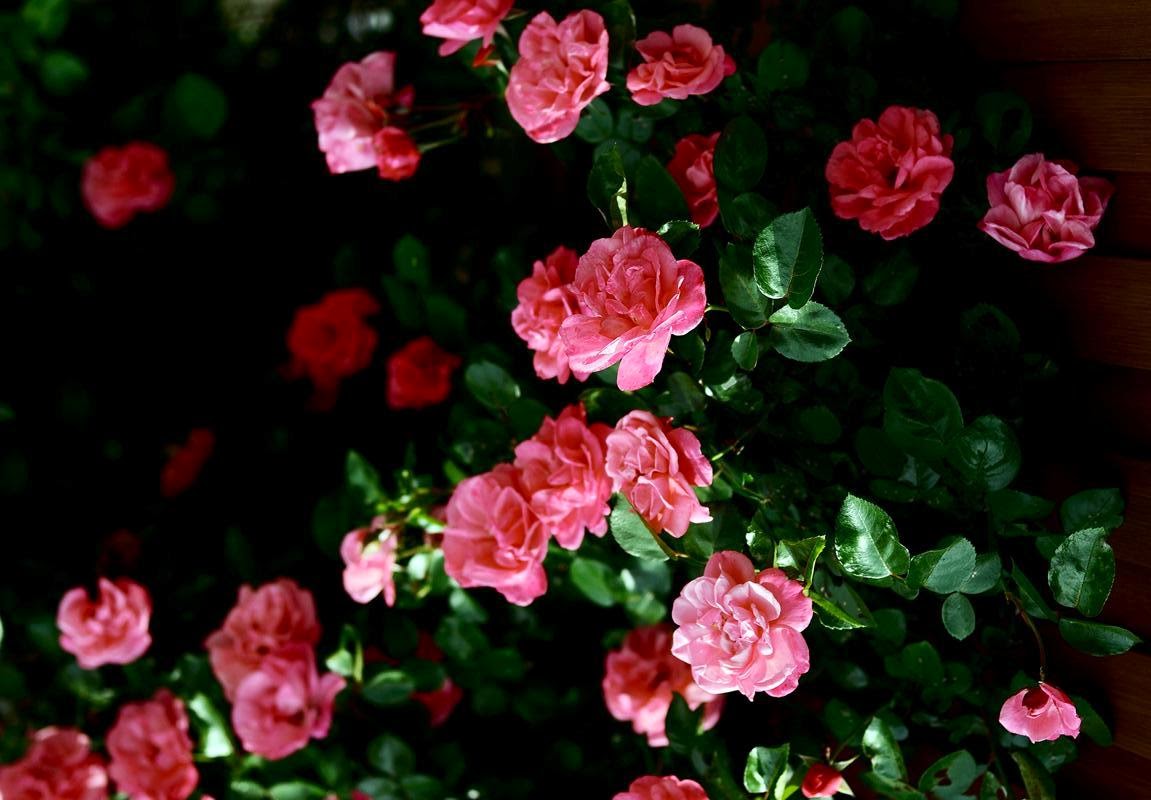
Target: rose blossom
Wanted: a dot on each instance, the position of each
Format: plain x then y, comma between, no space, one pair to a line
330,341
669,788
677,65
562,68
284,703
186,461
461,21
397,156
821,781
494,538
656,466
58,765
151,754
262,622
120,182
113,629
420,374
891,174
693,170
1042,211
546,299
1042,713
740,630
369,559
633,296
442,702
641,679
562,469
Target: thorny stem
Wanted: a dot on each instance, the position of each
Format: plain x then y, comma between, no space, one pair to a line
1030,623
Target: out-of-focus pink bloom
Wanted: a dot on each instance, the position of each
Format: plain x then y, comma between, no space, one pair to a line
151,753
120,182
667,788
369,556
331,340
58,765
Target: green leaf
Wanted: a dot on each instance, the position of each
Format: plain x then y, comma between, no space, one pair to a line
391,756
740,155
986,454
596,580
364,478
1097,639
892,281
985,576
632,533
945,570
919,414
412,261
782,65
657,196
788,256
764,768
214,740
1033,602
607,184
1093,508
388,688
745,214
62,72
880,747
800,556
1004,121
596,123
406,303
681,235
1036,779
1082,571
1092,723
951,776
197,105
867,544
1009,505
491,385
745,350
295,790
683,724
747,305
839,607
47,18
812,333
820,425
958,616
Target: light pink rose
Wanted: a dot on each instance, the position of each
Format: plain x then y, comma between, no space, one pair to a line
461,21
369,560
58,765
494,538
120,182
1042,211
668,788
546,299
641,679
677,65
562,68
693,170
284,703
151,753
891,174
113,629
562,470
633,297
263,621
656,466
1042,713
740,630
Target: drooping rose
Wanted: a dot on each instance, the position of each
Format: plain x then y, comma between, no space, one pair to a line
420,374
461,21
740,630
1042,713
120,182
369,556
112,629
677,65
397,156
561,69
641,679
263,622
693,170
330,341
58,765
284,703
667,788
1042,211
656,466
634,295
546,299
891,174
151,753
494,538
186,461
562,470
821,780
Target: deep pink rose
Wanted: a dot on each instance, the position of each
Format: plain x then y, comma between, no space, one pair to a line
821,780
656,466
642,677
397,155
360,101
669,788
263,622
120,182
113,629
494,538
740,630
369,556
185,461
331,340
284,703
546,299
460,21
1042,713
693,170
677,65
420,374
633,296
151,753
58,765
891,174
1042,211
562,470
562,68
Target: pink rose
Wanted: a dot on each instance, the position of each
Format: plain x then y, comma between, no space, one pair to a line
891,174
284,703
420,374
461,21
562,68
120,182
397,155
331,340
1042,211
656,466
58,765
150,750
633,296
562,470
263,622
360,102
641,678
546,299
677,65
1042,713
494,538
669,788
741,630
693,169
113,629
821,781
369,560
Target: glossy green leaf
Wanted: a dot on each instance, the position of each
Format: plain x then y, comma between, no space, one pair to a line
1029,595
747,305
1093,508
1036,779
880,747
867,544
764,768
681,235
388,688
598,582
788,256
812,333
945,570
986,454
658,198
1097,639
951,776
958,616
491,385
745,350
607,184
632,533
596,123
391,755
740,155
1082,571
920,415
985,576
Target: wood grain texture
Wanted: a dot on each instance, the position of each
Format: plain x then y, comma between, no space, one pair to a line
1126,226
1056,30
